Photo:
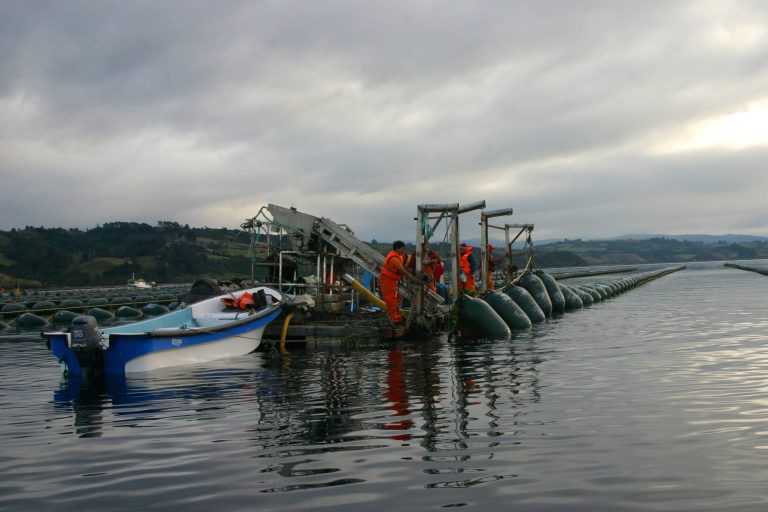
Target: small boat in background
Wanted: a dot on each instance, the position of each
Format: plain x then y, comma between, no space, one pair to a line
201,332
140,283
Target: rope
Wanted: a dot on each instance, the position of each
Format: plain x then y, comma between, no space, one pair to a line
528,264
425,227
447,230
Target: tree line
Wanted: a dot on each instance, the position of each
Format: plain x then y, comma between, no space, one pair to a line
113,252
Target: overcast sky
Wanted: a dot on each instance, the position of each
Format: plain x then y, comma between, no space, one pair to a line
590,118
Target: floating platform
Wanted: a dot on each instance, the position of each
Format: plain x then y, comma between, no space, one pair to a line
340,326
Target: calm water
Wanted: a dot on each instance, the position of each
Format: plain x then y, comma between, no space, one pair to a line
654,400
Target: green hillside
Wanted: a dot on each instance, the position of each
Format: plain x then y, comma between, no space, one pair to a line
577,253
653,250
113,252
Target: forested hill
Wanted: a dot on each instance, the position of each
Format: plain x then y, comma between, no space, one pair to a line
113,252
576,253
169,252
652,250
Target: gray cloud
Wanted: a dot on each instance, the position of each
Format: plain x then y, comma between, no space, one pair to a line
202,112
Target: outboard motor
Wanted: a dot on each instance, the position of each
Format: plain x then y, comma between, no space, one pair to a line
86,343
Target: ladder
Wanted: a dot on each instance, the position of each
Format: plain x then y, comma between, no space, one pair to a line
349,246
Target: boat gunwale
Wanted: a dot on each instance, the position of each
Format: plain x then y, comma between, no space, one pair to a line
190,332
196,331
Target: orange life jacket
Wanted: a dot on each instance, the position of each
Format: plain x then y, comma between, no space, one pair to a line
389,269
245,301
465,266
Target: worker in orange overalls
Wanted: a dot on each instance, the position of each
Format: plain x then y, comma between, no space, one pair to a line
429,267
392,272
491,266
468,266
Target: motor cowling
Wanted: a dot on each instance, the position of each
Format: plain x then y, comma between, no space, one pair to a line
86,342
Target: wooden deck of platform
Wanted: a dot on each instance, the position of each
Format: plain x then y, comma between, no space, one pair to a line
336,326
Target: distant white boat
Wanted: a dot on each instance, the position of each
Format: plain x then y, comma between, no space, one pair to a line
141,283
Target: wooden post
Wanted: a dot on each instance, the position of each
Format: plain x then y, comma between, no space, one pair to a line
508,253
417,307
484,253
453,210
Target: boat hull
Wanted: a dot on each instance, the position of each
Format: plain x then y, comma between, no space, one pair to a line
129,354
195,335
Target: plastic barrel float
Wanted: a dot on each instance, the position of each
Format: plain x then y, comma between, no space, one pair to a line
30,321
154,309
536,288
507,309
477,317
64,316
13,307
100,314
44,305
596,297
554,292
586,299
527,303
128,312
71,303
120,300
572,299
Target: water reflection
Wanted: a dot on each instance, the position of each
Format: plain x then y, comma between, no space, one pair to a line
97,404
438,392
86,400
448,397
397,395
654,400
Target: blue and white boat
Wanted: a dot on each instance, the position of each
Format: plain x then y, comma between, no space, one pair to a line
201,332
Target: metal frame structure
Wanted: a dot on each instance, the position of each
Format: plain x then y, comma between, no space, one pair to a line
484,254
264,228
424,231
508,245
277,232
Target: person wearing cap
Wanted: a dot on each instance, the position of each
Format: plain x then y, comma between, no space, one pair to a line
392,272
429,267
468,265
439,269
491,266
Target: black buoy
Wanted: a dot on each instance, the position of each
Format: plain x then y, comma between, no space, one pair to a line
100,314
555,293
586,298
64,316
507,309
527,303
572,299
478,317
71,303
30,321
127,312
536,288
154,309
13,307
